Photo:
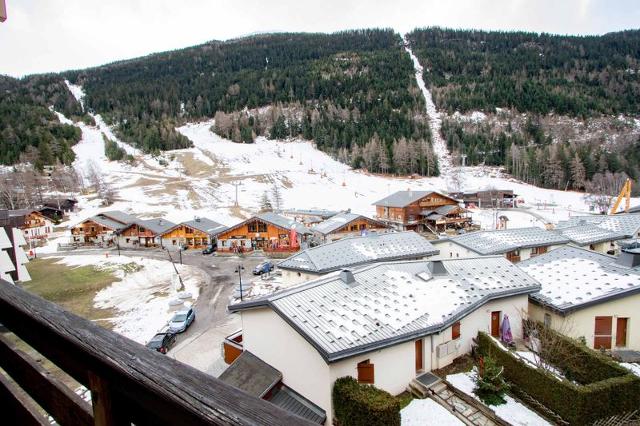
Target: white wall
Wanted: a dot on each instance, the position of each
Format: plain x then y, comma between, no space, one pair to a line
581,323
451,250
295,277
270,338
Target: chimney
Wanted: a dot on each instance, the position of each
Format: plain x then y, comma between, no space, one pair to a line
347,276
629,257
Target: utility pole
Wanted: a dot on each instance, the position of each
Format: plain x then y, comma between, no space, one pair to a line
236,184
174,267
239,270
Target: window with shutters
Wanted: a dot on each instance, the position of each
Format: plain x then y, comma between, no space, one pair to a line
365,372
455,330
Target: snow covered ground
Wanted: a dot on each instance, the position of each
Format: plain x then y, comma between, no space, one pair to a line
512,412
142,294
203,180
426,412
635,368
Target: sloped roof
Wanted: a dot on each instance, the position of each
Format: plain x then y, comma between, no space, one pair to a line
251,374
589,234
349,252
119,216
205,225
626,224
574,278
157,226
338,221
404,198
276,220
505,240
321,213
108,222
290,400
384,304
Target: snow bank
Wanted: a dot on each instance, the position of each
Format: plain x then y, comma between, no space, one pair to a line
512,412
142,294
422,412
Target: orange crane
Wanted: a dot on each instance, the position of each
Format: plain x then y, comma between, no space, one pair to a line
625,193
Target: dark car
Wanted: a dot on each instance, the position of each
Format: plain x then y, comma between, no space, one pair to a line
210,249
263,268
162,342
182,320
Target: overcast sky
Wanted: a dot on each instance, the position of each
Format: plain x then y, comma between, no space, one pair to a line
55,35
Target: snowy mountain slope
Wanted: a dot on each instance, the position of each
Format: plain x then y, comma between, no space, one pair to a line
201,181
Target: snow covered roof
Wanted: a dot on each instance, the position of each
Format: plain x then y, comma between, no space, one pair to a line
205,225
626,224
321,213
375,306
108,222
157,226
589,234
5,242
338,221
404,198
353,251
574,278
505,240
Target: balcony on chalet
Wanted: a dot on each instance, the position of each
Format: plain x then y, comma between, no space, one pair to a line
128,383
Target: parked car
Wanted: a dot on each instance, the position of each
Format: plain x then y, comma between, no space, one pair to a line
210,249
263,268
162,342
182,320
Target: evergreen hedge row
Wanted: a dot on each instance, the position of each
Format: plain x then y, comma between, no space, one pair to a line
356,404
578,404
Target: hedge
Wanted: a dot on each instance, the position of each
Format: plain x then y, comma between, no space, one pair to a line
577,404
356,404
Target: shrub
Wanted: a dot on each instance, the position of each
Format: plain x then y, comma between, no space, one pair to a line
490,384
112,151
356,404
577,404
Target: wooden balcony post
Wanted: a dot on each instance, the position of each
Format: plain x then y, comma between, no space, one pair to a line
106,410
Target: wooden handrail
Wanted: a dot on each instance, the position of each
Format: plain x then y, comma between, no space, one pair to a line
129,383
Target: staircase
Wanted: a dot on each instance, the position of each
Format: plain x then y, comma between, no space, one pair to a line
470,411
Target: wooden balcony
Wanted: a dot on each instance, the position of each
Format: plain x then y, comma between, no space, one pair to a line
128,382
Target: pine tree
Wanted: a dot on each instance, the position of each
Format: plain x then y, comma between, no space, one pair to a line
490,385
265,203
578,176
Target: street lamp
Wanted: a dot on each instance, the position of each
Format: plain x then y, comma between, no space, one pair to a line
239,270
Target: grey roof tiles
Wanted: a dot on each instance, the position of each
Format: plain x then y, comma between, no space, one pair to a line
573,278
402,198
338,221
502,241
626,224
353,251
589,234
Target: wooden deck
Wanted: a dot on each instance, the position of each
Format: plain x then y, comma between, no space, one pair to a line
129,383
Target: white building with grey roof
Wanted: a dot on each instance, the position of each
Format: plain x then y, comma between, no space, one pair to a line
626,224
592,237
383,323
588,295
515,244
349,252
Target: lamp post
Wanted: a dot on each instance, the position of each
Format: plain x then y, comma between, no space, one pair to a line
239,270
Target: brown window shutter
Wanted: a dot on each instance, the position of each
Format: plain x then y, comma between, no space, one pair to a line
602,334
455,330
365,372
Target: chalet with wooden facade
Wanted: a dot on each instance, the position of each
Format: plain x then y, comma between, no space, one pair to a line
144,233
265,231
515,244
194,234
346,224
102,228
384,324
487,198
421,211
588,295
33,224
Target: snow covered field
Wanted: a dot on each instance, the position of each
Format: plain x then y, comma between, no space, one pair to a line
425,412
512,412
142,294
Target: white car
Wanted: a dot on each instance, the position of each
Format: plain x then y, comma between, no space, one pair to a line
182,320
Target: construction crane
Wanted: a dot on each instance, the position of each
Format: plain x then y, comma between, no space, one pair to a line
625,193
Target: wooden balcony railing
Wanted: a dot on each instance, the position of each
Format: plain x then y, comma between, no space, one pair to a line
128,382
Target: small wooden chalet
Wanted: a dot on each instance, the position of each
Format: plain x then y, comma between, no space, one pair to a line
145,233
53,213
102,228
346,224
33,224
193,234
265,231
421,211
67,205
